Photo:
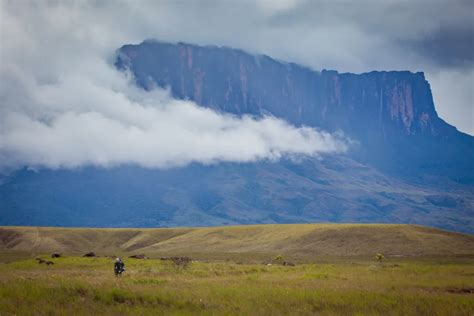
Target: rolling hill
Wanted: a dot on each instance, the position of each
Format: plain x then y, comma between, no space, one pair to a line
303,241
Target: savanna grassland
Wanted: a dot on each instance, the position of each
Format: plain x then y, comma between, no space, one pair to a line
86,286
250,282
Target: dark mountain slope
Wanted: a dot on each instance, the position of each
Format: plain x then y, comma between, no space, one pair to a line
336,189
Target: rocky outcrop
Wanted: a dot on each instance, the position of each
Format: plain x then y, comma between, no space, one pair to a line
397,102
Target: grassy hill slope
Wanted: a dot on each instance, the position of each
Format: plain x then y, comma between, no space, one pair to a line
297,240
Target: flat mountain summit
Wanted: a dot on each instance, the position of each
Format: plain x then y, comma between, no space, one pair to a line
407,165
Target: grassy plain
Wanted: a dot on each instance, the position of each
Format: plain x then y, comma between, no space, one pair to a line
87,286
425,272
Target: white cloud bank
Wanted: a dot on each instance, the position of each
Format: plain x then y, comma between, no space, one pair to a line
63,105
161,132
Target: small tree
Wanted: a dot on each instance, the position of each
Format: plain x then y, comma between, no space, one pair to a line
379,257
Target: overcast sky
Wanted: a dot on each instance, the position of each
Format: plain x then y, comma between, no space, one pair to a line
56,74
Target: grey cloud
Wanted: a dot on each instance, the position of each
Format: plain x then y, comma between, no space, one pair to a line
447,48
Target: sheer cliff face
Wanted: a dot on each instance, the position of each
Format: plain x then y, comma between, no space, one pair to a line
380,104
390,114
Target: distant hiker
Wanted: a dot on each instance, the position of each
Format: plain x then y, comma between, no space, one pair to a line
119,267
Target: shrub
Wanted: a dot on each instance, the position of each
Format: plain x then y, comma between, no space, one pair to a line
379,257
181,262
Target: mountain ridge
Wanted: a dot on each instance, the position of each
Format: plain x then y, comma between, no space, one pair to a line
419,171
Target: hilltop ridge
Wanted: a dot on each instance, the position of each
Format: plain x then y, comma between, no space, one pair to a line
299,240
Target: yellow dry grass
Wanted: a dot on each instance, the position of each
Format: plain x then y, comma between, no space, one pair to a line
302,241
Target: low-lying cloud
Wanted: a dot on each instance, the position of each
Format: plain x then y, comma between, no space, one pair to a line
162,133
64,105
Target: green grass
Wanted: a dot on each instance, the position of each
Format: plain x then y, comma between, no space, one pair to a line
86,286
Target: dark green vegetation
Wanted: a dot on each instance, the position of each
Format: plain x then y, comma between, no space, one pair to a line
335,189
240,271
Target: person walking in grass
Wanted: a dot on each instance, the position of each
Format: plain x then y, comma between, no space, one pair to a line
119,267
